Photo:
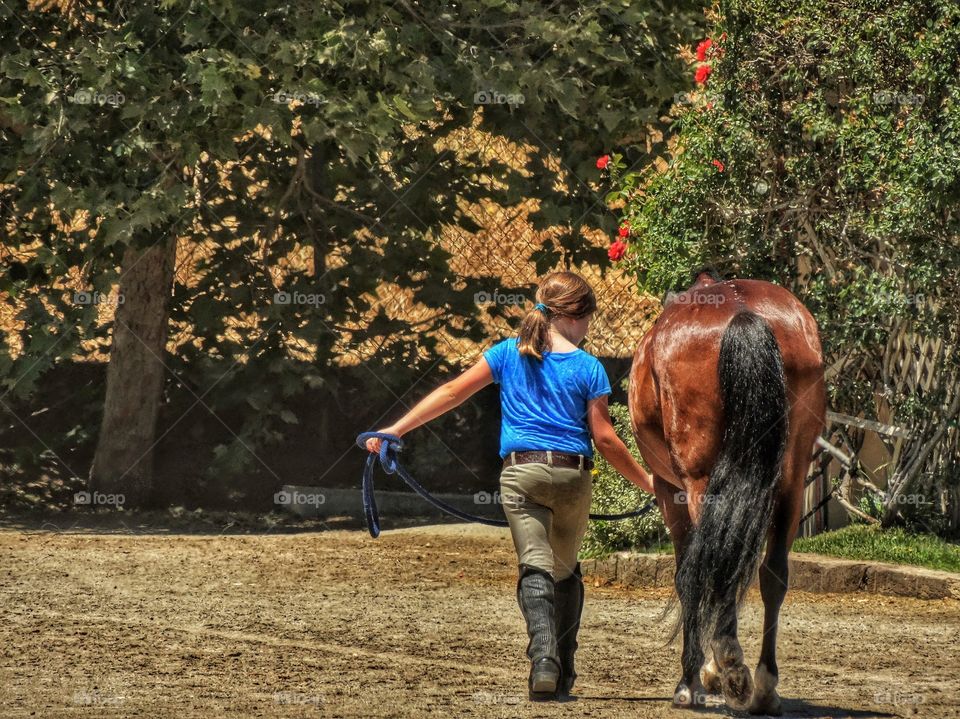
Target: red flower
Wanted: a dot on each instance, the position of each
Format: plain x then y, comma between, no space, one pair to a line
617,250
718,165
703,72
702,49
603,162
624,231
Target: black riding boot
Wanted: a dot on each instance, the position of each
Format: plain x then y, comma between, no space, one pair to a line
569,608
536,596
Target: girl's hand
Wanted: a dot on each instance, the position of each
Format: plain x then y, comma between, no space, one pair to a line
373,444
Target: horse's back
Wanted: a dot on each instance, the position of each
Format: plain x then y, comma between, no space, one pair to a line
695,321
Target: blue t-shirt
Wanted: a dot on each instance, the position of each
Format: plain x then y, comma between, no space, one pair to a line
545,402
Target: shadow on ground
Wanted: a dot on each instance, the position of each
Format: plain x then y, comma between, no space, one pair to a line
173,522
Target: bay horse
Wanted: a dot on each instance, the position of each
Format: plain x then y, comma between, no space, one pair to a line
727,396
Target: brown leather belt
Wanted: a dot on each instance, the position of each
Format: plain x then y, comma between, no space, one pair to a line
557,459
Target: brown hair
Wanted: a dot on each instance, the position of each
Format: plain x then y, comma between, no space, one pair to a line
562,294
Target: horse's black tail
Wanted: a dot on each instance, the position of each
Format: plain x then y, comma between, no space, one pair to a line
724,549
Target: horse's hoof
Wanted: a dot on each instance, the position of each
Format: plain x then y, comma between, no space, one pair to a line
765,697
737,686
710,677
768,706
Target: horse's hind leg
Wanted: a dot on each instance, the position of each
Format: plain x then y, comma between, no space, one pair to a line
689,693
774,576
773,588
806,423
726,673
710,673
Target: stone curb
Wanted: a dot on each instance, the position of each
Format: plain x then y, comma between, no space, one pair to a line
808,573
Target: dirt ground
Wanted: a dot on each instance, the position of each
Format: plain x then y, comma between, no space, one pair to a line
421,622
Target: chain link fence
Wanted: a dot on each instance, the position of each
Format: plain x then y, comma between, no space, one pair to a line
504,248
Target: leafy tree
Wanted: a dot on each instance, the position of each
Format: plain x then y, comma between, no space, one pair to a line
255,131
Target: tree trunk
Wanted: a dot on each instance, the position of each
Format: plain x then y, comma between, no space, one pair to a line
123,463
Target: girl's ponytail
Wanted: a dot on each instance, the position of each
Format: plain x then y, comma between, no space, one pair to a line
561,294
535,332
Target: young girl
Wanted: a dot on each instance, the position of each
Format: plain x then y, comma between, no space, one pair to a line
554,398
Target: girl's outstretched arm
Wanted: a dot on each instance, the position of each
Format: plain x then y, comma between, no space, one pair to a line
444,398
612,447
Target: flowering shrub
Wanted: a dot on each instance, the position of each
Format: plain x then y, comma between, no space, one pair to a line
821,150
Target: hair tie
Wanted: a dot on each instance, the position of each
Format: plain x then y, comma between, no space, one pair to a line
542,307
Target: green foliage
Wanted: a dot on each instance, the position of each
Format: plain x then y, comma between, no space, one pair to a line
821,154
838,134
613,494
884,545
871,505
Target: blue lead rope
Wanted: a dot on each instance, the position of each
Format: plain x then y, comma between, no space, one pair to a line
390,461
